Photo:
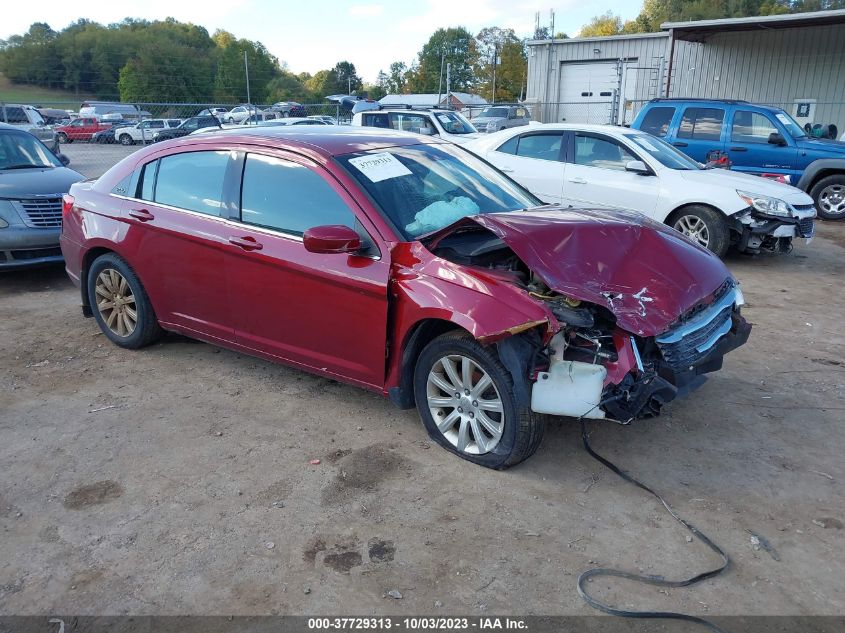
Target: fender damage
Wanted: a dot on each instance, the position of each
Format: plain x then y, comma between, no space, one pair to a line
596,313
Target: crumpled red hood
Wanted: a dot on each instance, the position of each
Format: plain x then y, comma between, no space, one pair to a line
643,271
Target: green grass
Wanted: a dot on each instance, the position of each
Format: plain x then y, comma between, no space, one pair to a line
35,95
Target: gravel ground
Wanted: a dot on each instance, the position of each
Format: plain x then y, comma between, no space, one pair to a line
176,479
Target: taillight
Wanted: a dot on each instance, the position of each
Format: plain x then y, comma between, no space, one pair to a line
67,205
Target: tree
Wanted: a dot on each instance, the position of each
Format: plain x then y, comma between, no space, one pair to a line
602,25
396,78
344,79
502,62
230,78
458,48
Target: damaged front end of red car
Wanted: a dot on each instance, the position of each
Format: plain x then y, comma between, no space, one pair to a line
595,314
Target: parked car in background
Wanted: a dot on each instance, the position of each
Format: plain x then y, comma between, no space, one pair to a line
99,110
468,301
330,120
32,182
288,108
216,112
82,129
617,168
186,127
54,116
759,140
500,117
143,131
107,136
28,119
258,117
239,113
446,124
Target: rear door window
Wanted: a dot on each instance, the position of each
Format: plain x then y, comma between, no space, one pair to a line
288,197
702,124
192,181
656,121
376,120
542,145
751,127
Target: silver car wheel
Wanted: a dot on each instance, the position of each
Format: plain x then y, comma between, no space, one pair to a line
694,228
832,199
465,404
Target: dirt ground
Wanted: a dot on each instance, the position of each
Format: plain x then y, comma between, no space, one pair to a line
176,480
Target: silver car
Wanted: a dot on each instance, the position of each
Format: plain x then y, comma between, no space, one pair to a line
27,118
32,182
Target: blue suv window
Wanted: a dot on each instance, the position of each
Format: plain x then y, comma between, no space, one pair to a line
751,127
656,121
702,124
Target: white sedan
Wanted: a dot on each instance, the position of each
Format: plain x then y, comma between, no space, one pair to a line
238,114
613,167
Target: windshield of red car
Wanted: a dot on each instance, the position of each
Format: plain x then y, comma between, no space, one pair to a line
422,188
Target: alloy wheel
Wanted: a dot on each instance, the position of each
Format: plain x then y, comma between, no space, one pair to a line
694,228
116,302
832,199
465,404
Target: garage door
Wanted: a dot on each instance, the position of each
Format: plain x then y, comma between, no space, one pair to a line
586,92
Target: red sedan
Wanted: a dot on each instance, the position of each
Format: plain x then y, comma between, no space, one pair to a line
407,266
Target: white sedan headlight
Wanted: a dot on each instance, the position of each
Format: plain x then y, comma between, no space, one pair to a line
765,204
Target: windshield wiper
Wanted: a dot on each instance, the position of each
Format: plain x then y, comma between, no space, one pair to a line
24,166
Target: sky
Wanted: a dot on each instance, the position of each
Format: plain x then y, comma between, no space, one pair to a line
309,37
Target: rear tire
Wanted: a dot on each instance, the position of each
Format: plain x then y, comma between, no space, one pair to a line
125,139
704,226
470,425
829,196
120,304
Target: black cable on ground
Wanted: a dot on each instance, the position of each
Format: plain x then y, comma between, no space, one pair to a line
652,580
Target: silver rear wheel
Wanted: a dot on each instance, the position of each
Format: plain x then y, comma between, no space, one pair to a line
465,404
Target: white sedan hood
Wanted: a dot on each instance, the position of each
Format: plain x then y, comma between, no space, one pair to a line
746,182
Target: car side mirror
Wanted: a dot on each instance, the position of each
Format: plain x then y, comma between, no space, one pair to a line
776,138
39,123
63,159
638,167
426,131
331,239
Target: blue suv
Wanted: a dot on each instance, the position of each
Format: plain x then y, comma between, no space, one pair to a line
759,140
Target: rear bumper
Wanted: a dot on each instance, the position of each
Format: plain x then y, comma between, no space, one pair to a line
21,247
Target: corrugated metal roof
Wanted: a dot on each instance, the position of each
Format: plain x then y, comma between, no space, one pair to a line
701,29
601,38
431,99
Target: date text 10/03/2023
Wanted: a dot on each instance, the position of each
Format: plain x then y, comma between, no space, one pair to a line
417,623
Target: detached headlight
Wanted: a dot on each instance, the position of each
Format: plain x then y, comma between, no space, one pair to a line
739,298
155,134
765,204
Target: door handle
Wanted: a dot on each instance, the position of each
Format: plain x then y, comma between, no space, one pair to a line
507,170
142,214
246,243
578,180
739,149
679,144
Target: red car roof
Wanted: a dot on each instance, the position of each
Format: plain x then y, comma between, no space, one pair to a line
328,140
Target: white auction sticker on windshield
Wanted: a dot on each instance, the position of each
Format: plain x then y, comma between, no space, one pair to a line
378,167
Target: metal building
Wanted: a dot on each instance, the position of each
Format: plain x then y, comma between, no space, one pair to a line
793,61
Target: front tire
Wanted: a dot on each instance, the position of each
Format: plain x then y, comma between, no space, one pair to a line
468,404
704,226
62,137
829,197
120,304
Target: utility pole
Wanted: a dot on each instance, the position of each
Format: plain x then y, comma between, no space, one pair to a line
495,56
448,86
349,85
246,72
440,79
